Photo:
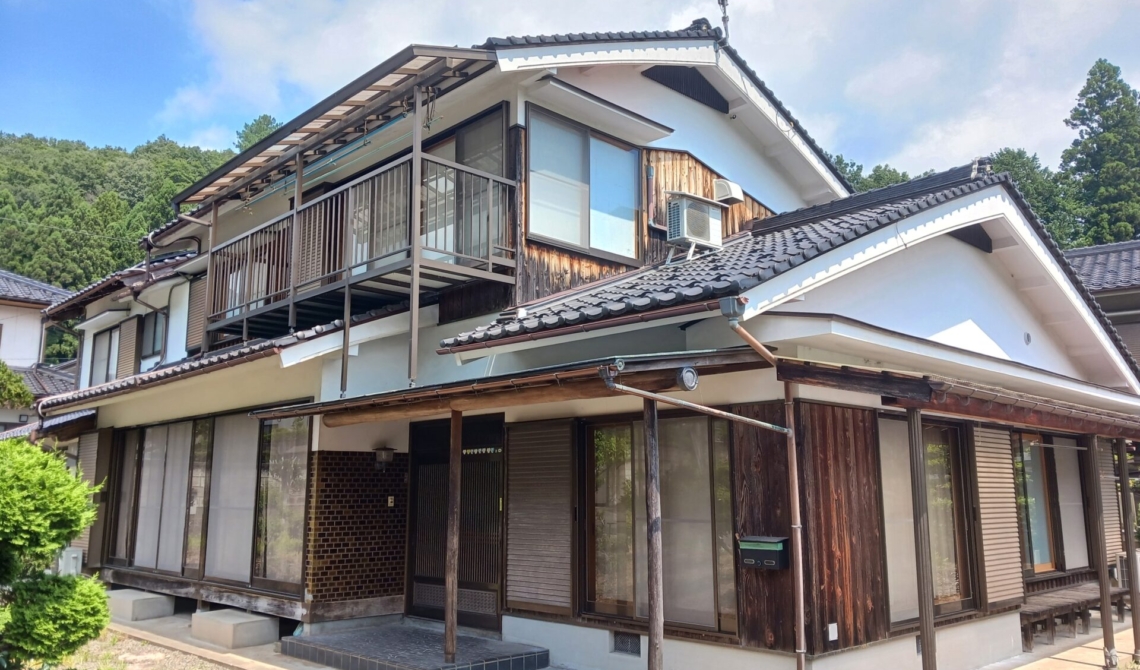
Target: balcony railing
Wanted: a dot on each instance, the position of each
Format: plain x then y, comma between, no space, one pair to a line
360,231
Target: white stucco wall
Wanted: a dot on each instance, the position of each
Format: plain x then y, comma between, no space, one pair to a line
949,292
709,135
20,339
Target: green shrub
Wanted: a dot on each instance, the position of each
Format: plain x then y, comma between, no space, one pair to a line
52,616
43,617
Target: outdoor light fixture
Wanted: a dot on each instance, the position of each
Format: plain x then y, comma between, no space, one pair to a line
384,456
23,418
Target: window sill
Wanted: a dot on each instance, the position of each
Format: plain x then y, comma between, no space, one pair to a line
632,263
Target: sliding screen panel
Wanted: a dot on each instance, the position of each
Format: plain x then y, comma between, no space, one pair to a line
150,497
173,526
233,494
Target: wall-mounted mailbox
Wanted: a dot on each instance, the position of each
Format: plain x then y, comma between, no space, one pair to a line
768,553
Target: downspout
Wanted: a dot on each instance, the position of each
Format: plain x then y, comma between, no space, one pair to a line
733,309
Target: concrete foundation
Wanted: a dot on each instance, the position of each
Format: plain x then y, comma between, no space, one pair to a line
233,629
133,605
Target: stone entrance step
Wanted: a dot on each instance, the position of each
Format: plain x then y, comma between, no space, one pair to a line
134,605
403,647
233,629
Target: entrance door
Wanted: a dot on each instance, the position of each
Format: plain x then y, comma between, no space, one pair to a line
480,520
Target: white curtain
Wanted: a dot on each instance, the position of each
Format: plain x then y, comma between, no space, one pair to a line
150,497
233,493
898,518
173,528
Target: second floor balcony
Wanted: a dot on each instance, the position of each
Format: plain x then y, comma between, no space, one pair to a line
294,271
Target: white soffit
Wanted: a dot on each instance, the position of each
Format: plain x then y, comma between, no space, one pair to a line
103,320
358,334
990,206
597,112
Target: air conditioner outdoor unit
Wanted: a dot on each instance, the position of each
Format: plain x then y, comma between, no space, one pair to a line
71,561
693,220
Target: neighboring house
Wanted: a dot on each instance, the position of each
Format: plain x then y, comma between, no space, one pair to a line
1112,273
22,341
279,397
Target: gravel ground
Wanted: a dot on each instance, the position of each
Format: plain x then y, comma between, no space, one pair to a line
113,651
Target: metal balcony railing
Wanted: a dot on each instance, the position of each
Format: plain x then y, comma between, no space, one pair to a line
361,229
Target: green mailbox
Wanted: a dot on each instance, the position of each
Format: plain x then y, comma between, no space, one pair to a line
766,553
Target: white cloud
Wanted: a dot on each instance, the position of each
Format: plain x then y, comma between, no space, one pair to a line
212,137
900,80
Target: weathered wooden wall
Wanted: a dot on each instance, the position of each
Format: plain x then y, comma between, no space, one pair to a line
760,496
681,171
842,512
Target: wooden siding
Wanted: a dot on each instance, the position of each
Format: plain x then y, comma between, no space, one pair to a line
845,579
128,363
681,171
87,457
196,313
760,494
540,524
1110,499
548,269
997,499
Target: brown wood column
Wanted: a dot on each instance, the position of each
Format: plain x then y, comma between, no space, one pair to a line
1096,514
211,241
414,232
1129,518
797,525
922,540
653,536
451,562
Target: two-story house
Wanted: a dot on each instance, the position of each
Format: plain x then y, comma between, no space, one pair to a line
22,340
582,340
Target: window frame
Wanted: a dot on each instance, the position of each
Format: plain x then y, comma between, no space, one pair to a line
585,548
112,345
265,583
152,347
1052,494
199,574
639,191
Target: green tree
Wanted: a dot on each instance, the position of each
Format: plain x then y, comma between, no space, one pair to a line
14,394
1050,194
43,617
255,131
1104,160
881,175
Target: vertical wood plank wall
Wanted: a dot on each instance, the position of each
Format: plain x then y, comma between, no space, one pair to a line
196,313
88,452
760,496
842,504
1110,498
997,497
540,523
681,171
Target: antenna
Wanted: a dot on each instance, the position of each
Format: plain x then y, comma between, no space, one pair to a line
724,18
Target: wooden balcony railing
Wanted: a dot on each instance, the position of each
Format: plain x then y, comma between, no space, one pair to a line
360,232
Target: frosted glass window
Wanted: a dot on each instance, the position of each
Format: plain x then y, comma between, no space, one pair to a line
233,488
150,497
281,499
124,515
1037,507
613,198
173,527
898,519
559,180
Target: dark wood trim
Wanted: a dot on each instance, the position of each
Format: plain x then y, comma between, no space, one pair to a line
975,521
1096,513
290,607
852,379
922,539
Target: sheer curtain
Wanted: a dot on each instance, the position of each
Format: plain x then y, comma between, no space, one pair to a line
173,525
150,497
233,493
126,485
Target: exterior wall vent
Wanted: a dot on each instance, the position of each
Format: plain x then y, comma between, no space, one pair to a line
627,643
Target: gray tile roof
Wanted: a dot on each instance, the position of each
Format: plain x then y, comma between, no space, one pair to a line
45,380
773,246
698,29
23,289
117,280
1108,266
46,424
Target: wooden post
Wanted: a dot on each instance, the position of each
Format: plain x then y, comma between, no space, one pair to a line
451,563
414,232
653,536
1096,518
797,526
1129,504
922,540
295,244
211,240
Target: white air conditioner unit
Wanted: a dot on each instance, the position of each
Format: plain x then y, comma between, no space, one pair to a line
693,220
727,192
71,561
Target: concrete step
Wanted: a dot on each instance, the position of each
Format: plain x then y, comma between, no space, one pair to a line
133,605
233,629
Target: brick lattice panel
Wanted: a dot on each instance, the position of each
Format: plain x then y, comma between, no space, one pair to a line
356,542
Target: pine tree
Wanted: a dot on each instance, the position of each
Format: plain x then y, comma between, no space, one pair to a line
1104,160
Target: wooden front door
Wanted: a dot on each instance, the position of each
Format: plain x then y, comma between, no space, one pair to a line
480,521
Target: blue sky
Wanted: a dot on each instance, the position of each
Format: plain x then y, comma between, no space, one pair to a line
920,84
